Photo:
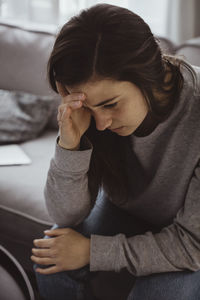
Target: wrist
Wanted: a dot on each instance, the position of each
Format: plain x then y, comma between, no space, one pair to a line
88,251
67,147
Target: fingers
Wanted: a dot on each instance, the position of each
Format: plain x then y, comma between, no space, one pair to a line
42,260
66,97
43,243
46,271
58,231
73,104
64,109
64,113
42,256
70,102
64,116
41,252
74,100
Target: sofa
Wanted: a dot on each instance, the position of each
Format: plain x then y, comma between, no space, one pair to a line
23,58
23,216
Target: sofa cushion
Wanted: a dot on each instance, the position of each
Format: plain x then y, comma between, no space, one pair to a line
23,116
23,214
21,188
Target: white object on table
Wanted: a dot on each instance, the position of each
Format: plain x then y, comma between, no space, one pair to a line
13,155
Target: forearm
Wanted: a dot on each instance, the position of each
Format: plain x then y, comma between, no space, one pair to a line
173,249
66,191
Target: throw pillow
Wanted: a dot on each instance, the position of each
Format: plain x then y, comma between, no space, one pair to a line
23,116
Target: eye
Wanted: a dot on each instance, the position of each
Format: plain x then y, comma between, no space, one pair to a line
110,105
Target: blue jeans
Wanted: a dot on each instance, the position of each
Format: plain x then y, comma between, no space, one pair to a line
107,219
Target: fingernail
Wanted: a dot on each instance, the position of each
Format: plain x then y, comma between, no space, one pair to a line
81,96
77,103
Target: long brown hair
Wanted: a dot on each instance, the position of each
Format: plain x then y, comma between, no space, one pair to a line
107,41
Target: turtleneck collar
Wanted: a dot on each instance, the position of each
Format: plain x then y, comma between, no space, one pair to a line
147,126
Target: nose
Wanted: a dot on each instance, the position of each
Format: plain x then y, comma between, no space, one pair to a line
102,121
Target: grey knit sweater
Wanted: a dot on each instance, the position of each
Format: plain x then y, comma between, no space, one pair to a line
171,157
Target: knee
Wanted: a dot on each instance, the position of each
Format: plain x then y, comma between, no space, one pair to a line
69,277
40,278
64,285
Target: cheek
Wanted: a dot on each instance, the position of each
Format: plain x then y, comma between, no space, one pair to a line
117,114
124,112
128,115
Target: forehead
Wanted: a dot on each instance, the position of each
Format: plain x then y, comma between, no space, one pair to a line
98,90
91,86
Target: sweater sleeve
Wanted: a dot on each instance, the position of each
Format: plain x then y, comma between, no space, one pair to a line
66,190
175,248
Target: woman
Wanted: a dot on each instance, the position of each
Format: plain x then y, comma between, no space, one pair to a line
129,127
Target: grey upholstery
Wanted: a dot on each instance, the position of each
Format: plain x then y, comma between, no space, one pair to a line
23,215
190,50
27,54
14,283
166,45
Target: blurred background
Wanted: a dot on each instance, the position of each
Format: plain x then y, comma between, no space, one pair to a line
177,20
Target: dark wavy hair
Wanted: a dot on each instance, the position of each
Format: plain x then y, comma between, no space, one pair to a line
111,42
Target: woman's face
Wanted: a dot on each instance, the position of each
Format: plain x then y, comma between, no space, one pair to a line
118,106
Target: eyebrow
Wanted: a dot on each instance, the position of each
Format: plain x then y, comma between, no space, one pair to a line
104,102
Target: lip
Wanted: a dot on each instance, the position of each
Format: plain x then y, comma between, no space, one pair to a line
117,129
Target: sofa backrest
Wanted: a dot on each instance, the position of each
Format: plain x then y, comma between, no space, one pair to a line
24,54
190,50
167,46
23,59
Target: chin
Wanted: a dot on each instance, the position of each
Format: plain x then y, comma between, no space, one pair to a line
125,132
